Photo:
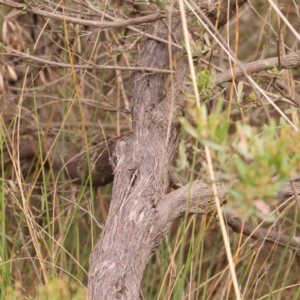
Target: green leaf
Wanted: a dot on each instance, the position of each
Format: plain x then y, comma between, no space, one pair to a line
189,128
189,95
77,29
291,110
240,93
241,168
212,145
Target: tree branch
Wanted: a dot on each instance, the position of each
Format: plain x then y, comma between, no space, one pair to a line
173,205
49,63
141,212
289,61
263,234
197,198
116,24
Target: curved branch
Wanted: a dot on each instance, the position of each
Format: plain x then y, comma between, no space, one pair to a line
289,61
172,206
140,212
64,155
200,201
118,23
263,234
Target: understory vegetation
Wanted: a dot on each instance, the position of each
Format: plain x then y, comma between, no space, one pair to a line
66,92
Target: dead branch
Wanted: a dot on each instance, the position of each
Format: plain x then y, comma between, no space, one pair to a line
76,166
172,206
116,24
263,234
289,61
141,212
200,201
49,63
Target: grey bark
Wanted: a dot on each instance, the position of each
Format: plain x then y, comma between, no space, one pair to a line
289,61
141,178
138,217
141,212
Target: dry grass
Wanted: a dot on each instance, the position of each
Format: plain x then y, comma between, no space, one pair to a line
48,225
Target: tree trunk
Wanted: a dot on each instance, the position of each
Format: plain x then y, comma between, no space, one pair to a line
141,178
137,217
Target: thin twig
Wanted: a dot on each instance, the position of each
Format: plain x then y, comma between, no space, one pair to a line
118,23
49,63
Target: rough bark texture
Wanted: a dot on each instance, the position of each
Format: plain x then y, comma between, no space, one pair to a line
138,218
289,61
141,212
141,178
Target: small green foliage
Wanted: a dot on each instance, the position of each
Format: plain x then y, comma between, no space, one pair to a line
203,79
29,52
206,82
252,99
274,71
254,164
27,61
77,29
262,164
182,156
161,3
56,289
22,5
291,110
240,94
121,34
201,47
